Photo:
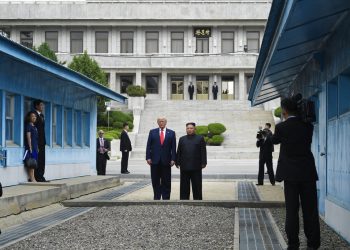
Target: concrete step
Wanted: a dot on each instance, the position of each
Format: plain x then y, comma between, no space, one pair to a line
27,196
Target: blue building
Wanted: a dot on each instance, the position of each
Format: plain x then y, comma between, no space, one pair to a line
70,113
306,49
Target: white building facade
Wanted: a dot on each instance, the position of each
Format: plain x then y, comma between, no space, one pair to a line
161,45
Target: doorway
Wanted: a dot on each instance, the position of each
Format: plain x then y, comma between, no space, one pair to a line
177,88
202,84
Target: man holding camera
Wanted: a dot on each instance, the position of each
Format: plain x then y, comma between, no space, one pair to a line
296,167
264,142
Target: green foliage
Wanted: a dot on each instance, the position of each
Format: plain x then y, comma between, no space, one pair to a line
216,128
44,50
108,137
90,68
206,138
202,130
116,120
216,140
134,90
278,112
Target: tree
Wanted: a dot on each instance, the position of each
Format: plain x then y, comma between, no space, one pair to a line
90,68
44,49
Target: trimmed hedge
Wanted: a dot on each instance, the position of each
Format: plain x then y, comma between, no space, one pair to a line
216,140
116,120
134,90
202,130
278,112
216,128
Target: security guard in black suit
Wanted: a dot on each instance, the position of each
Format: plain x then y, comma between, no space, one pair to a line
264,142
191,90
125,148
296,167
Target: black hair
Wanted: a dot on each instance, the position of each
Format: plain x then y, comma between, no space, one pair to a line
268,124
191,123
125,124
289,105
27,117
37,102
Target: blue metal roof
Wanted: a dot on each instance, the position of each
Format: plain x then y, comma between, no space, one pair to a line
12,53
295,33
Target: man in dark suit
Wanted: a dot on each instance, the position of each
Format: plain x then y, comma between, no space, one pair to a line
191,158
40,126
161,156
215,90
264,142
125,148
102,148
296,167
191,90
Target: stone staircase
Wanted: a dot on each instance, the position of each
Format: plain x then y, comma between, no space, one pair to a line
241,121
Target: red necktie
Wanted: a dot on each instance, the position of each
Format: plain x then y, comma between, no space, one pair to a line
161,137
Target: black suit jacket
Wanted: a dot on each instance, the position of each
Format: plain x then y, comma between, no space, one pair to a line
40,126
106,144
191,153
191,89
296,161
215,89
266,147
125,143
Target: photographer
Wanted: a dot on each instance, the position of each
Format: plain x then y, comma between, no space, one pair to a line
296,167
264,142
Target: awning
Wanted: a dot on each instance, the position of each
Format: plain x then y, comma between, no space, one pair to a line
12,53
295,33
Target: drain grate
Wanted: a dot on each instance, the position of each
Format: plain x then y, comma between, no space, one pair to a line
16,233
255,228
247,191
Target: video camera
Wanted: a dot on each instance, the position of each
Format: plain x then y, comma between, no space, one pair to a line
261,133
305,108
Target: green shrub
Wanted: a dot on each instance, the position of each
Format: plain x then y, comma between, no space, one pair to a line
216,128
216,140
206,138
202,130
131,125
278,112
117,125
134,90
108,137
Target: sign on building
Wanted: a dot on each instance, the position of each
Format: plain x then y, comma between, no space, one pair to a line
202,32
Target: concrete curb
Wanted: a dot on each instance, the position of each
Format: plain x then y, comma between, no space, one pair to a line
54,193
205,176
226,204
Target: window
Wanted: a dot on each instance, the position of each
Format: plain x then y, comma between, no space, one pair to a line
125,81
332,99
253,41
85,127
152,40
5,32
177,42
152,84
228,86
65,127
28,105
10,116
26,38
101,42
202,83
227,42
177,85
126,42
108,78
54,125
76,42
344,94
51,38
202,45
77,128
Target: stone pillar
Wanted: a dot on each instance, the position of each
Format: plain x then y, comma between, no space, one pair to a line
164,87
242,86
240,39
138,80
112,80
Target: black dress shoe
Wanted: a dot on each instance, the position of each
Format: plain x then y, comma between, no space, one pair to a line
259,184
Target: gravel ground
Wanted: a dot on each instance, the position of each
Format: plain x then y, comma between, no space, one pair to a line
329,238
142,227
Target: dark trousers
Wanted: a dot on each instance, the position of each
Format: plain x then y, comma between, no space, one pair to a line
215,96
268,162
40,170
191,96
188,177
101,163
306,193
161,181
124,163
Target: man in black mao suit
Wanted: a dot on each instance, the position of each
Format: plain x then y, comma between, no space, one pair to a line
215,90
103,146
191,90
161,156
125,148
40,126
296,167
191,158
264,142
